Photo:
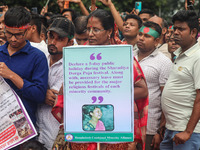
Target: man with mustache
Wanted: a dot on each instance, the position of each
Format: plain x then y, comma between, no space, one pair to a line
181,95
60,35
156,67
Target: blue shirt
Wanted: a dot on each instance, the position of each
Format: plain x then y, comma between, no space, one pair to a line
31,65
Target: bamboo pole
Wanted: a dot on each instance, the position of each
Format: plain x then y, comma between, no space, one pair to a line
98,146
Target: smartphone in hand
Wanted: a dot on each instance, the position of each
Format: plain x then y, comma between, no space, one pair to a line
138,6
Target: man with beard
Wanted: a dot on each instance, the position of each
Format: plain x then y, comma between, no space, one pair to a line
156,67
181,95
60,35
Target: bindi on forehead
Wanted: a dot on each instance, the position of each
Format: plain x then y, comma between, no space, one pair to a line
91,19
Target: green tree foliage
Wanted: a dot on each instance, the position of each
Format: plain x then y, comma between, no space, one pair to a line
164,8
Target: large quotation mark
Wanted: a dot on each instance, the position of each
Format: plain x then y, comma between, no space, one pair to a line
92,57
100,98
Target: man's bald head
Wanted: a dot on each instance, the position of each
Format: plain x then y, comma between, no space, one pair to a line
157,20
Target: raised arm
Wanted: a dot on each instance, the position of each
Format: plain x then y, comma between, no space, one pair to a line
60,4
82,6
116,16
186,3
44,10
93,5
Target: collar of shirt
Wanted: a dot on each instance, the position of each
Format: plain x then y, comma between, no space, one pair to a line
160,45
188,52
56,63
25,49
153,54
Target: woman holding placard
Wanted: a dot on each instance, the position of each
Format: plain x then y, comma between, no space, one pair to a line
100,29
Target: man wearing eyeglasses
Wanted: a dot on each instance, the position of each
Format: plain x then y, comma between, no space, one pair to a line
22,66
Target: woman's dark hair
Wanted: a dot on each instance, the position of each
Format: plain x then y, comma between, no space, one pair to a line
17,16
89,109
105,18
92,109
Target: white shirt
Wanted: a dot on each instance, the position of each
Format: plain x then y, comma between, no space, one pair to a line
180,90
46,122
41,46
156,68
135,47
164,49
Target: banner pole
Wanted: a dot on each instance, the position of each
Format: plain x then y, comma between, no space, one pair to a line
98,146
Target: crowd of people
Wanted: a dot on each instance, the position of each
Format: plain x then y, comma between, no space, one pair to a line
166,72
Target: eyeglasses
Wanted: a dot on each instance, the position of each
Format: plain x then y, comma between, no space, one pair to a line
94,30
17,35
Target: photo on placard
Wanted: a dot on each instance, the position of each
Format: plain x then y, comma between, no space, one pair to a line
98,117
21,124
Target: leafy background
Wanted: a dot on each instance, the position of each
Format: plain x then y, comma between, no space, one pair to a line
163,8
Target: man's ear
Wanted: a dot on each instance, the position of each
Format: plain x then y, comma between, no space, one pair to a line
194,33
32,28
157,41
164,30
